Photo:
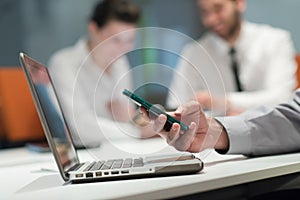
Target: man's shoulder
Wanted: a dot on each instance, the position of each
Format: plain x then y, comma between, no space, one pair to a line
265,29
68,54
63,53
198,43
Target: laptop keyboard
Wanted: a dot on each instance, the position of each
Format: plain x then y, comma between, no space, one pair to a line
115,164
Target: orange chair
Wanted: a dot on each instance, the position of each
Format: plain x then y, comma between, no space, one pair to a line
19,119
298,69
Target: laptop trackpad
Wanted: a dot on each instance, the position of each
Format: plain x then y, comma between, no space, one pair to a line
169,158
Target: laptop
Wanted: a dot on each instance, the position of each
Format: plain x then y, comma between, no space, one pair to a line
59,139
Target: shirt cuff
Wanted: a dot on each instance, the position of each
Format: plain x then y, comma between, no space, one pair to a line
238,133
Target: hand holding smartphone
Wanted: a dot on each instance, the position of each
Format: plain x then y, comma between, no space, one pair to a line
155,111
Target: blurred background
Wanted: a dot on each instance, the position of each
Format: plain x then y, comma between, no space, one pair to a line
41,27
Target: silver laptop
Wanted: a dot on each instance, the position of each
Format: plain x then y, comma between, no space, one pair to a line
60,141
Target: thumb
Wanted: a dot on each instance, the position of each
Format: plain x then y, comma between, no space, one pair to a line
178,111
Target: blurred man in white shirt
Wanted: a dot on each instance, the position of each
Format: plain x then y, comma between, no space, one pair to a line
90,76
264,56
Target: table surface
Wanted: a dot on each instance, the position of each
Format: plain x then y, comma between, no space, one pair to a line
28,175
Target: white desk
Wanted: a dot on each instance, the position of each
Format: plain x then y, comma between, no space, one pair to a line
27,181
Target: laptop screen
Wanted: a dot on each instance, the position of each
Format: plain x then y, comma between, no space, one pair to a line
50,113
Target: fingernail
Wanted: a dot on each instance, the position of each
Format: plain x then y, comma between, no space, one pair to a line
193,125
161,119
175,128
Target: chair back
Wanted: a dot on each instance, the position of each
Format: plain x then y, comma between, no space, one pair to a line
18,116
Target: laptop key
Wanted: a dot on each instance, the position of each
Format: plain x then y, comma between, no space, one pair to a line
117,164
127,163
107,165
89,166
97,166
138,162
76,167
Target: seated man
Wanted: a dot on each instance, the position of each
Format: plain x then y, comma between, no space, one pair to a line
90,76
236,65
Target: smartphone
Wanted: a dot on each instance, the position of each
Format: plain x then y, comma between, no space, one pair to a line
155,111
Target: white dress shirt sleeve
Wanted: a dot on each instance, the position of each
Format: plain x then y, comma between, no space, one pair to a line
189,75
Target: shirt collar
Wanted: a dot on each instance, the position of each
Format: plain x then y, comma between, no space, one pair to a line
241,41
82,46
223,46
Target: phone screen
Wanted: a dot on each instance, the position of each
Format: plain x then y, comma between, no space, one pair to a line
155,111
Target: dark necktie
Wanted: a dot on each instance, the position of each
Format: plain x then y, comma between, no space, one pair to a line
235,69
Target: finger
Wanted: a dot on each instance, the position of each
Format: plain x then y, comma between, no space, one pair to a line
173,134
178,111
185,140
142,110
144,113
159,123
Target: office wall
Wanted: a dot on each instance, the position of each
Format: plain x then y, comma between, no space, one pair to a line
10,38
40,27
279,13
49,25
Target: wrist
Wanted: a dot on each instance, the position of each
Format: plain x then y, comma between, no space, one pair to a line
222,144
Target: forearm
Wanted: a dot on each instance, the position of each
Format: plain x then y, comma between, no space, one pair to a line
265,131
239,140
252,99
